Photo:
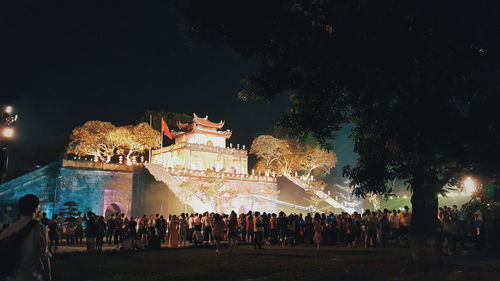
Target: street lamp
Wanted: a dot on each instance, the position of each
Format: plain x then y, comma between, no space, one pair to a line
469,185
7,132
8,109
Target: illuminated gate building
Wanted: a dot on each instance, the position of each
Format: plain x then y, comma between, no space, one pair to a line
201,145
160,186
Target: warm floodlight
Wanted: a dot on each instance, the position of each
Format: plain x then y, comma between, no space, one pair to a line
8,132
9,109
469,185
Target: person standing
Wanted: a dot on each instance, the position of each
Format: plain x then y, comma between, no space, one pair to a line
273,228
266,226
24,251
44,220
249,225
173,239
91,232
101,232
53,233
190,228
394,224
206,220
258,230
183,228
383,225
404,225
232,234
282,225
197,236
79,228
159,228
118,237
70,231
218,231
111,229
318,233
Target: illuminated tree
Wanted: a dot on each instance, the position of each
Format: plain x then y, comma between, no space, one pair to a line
186,192
103,139
316,158
214,188
290,162
269,150
289,156
136,139
92,139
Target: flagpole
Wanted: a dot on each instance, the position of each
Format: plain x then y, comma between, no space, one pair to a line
150,125
161,147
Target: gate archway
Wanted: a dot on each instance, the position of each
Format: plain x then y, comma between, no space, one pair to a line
112,209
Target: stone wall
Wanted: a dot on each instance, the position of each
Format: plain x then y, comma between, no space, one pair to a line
86,186
94,190
154,197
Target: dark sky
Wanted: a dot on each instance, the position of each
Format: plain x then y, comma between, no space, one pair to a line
66,63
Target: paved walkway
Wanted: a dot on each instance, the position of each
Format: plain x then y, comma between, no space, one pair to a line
83,248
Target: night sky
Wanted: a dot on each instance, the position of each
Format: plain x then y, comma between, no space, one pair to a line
67,63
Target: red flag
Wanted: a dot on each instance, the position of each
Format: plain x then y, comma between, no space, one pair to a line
165,130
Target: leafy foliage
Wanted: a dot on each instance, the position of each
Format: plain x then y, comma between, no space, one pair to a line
213,187
288,156
418,81
92,139
170,118
103,140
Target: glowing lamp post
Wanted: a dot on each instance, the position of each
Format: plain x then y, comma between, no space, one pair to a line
469,185
7,133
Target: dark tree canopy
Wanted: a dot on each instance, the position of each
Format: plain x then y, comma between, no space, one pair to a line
170,118
418,79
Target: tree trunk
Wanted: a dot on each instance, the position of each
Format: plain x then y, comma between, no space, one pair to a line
424,241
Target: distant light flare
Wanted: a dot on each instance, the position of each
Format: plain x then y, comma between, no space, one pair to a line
9,109
8,132
469,185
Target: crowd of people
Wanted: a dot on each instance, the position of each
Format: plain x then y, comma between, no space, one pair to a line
366,229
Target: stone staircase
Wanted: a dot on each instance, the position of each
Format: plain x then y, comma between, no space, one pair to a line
173,183
327,198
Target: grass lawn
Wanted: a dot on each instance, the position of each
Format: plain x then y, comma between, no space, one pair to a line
272,263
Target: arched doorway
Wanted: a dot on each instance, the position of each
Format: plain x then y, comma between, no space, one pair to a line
112,209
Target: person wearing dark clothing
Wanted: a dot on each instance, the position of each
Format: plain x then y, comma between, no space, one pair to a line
111,228
53,233
282,225
29,259
118,234
132,228
91,232
308,231
266,226
258,231
101,232
44,220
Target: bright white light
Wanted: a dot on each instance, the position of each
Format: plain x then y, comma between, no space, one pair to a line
8,109
8,132
469,185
